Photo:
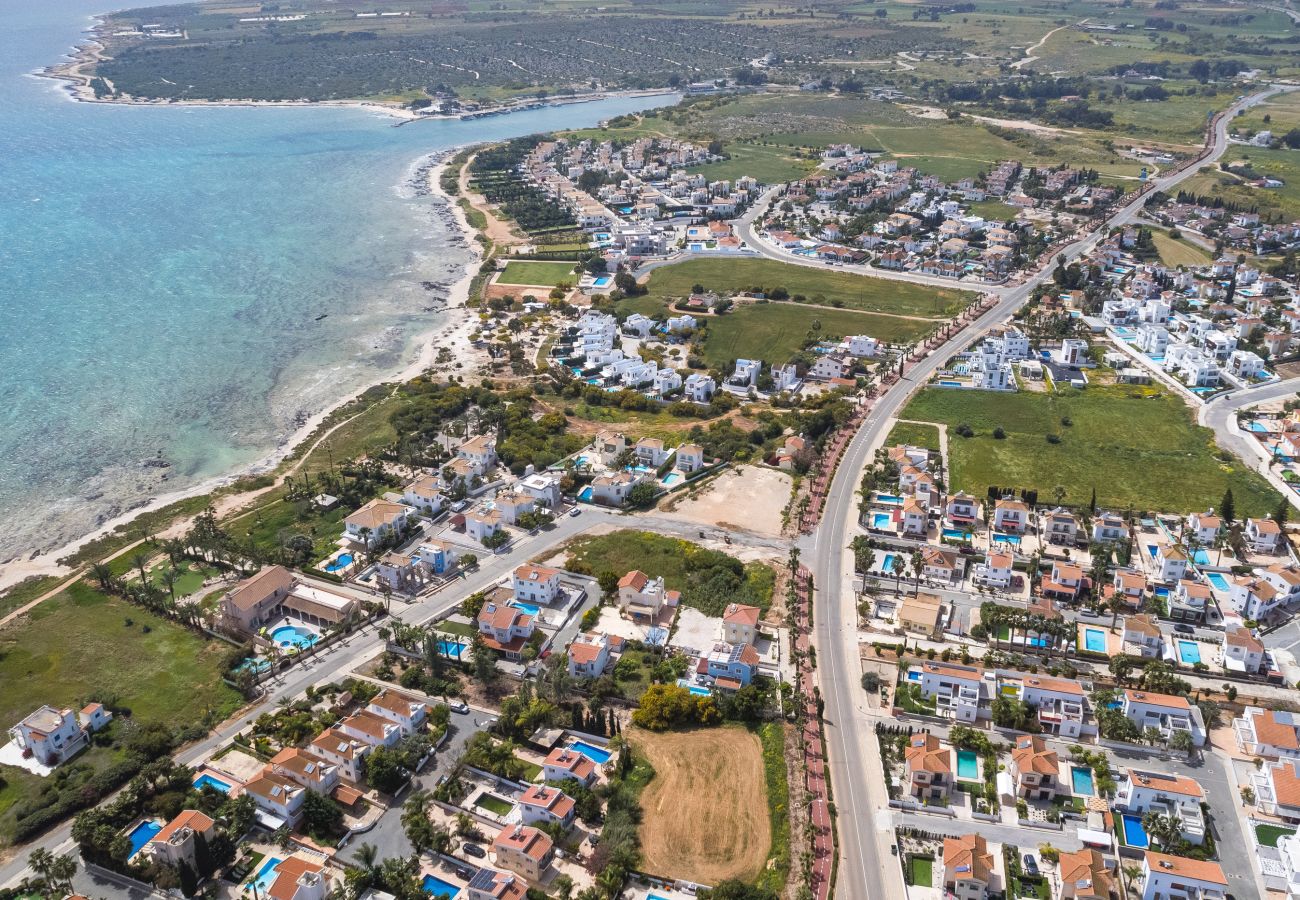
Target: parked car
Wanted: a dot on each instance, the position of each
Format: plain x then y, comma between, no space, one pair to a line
1184,628
1031,864
459,706
575,512
474,850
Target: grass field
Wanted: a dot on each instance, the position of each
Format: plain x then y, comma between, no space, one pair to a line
914,433
921,868
821,286
493,804
770,165
1178,251
1139,448
1268,833
530,272
704,813
774,332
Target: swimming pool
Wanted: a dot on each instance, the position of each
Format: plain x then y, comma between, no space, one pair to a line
1161,591
1189,653
1134,834
889,499
1012,539
1081,781
266,875
887,564
598,755
141,835
293,636
531,608
1201,557
436,887
950,384
585,494
695,689
968,766
953,534
1153,550
451,648
913,675
603,281
1218,581
1094,640
670,479
880,521
342,561
206,780
1258,427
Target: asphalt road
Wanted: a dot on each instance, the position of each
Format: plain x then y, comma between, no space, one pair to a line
867,870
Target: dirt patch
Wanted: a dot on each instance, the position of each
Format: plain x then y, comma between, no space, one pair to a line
705,811
759,492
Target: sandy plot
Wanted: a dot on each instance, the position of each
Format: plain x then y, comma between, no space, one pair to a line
705,811
746,498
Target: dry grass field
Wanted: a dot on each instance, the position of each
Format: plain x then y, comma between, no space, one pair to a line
706,816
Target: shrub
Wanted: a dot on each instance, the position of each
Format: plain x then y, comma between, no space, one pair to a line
999,433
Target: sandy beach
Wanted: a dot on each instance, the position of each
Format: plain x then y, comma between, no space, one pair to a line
452,332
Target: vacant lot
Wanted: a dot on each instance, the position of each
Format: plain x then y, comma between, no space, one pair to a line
705,812
914,433
774,332
819,286
767,164
1137,447
746,498
519,271
1178,251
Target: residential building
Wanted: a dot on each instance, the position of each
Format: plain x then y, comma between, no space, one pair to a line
1058,703
336,747
614,489
1131,584
538,585
1180,878
699,388
1170,563
93,717
921,615
425,494
1263,535
1242,651
1086,875
746,373
740,623
962,511
49,735
513,504
690,458
1060,527
297,878
641,596
969,869
1065,582
378,731
375,522
1010,516
609,446
1108,528
1164,712
1277,789
505,629
916,518
546,805
489,885
279,798
732,666
1272,734
928,768
1204,527
563,763
306,769
1141,636
178,841
957,690
590,654
407,712
480,451
483,523
1138,792
525,851
945,566
1035,768
1189,601
543,487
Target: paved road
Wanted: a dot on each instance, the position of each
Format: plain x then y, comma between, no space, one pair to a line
866,869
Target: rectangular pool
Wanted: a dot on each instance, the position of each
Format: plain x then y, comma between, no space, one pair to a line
1134,834
266,875
598,755
531,608
889,499
1201,558
1218,581
436,887
1094,640
968,767
1189,653
1081,781
1012,539
881,521
887,564
206,780
953,534
141,835
913,675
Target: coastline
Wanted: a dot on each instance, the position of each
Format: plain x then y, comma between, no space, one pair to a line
451,332
76,80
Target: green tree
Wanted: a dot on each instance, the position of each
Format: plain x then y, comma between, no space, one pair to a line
1227,508
416,823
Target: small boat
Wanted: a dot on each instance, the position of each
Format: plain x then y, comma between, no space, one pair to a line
322,316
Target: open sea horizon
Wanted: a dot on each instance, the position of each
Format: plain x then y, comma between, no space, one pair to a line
181,286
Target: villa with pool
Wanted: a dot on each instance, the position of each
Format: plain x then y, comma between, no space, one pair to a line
286,609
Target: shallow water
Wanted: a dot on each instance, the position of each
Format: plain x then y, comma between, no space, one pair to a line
164,273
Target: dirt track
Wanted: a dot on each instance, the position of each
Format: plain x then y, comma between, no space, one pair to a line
706,808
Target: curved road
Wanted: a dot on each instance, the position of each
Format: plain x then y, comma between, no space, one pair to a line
866,868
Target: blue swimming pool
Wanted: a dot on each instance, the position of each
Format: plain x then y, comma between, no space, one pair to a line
889,499
585,494
598,755
1161,591
341,562
287,636
1218,581
1134,834
1201,557
266,875
451,648
141,835
1189,653
531,608
887,564
953,534
1094,640
950,384
206,780
695,689
436,887
880,521
913,675
1081,781
670,479
968,766
1153,550
1012,539
603,281
1258,426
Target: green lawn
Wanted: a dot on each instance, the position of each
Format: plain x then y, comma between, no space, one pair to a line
531,272
921,869
1178,251
493,804
993,210
913,433
820,286
1138,447
684,567
191,578
460,628
769,165
1268,834
774,332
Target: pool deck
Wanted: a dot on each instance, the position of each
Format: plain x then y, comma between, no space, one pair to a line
1114,641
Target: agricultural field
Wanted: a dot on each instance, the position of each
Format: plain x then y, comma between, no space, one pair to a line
1170,464
531,272
705,813
822,287
770,165
1179,251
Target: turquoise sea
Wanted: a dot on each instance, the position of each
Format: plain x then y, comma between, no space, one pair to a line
162,271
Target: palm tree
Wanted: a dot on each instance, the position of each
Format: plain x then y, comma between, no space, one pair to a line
169,577
918,564
141,560
104,575
898,565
